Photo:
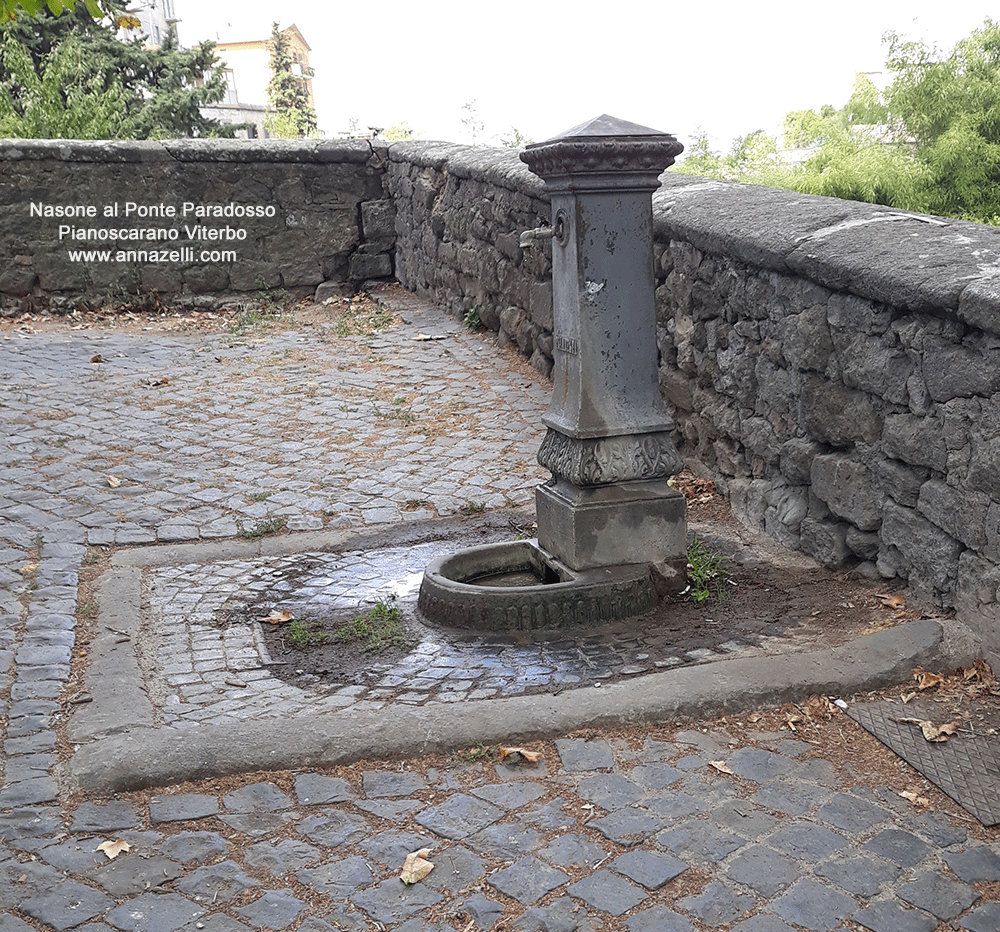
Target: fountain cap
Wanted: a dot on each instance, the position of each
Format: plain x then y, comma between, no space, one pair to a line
601,145
606,125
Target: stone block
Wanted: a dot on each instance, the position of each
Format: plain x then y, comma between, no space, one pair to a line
959,371
849,489
837,415
899,481
918,441
917,550
862,544
540,304
825,541
806,339
363,266
378,221
626,523
786,509
796,457
201,279
977,602
961,513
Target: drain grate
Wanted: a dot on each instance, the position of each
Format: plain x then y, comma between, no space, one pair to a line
966,768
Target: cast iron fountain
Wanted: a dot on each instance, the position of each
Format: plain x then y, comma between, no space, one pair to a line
611,530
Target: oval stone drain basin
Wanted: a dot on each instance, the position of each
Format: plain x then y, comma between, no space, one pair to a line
517,586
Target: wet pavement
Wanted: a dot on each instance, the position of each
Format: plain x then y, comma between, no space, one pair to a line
188,439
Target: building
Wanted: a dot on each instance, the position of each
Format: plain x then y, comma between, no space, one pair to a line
248,72
156,17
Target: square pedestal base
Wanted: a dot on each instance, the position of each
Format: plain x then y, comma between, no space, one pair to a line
611,525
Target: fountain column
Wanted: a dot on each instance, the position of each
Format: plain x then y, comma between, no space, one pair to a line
608,442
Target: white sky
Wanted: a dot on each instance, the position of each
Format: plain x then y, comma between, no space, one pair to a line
727,67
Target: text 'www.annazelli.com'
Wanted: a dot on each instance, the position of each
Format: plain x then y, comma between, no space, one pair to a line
152,256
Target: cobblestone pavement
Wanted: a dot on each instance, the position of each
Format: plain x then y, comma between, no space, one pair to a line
179,437
210,673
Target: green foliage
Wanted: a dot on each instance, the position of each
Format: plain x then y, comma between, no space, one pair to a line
852,166
930,142
304,634
706,577
9,8
950,107
377,630
515,139
62,102
294,116
71,76
398,132
471,319
753,158
262,527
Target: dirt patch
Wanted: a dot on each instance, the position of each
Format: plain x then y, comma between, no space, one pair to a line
764,600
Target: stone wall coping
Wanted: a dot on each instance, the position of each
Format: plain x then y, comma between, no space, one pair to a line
502,167
321,151
894,257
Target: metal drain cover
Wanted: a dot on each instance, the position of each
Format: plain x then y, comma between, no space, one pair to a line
966,768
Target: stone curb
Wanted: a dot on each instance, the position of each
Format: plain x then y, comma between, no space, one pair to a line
147,757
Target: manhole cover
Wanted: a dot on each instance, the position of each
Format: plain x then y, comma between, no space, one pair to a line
967,768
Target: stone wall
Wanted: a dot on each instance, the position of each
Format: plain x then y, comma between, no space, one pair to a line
317,212
460,211
835,366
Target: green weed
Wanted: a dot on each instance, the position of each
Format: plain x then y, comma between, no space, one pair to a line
377,630
303,634
481,753
261,527
471,319
706,577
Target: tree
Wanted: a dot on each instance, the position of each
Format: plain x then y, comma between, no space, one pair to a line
143,93
57,104
949,106
929,142
294,115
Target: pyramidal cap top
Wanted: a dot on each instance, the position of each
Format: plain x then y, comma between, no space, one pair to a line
600,145
605,125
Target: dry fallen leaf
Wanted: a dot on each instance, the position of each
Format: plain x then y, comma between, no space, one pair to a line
532,757
927,680
721,766
906,697
114,481
891,601
113,848
416,866
914,797
279,616
931,731
97,358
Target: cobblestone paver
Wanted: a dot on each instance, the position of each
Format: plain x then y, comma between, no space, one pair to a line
175,438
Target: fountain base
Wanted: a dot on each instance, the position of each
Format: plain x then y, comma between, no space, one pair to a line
517,586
